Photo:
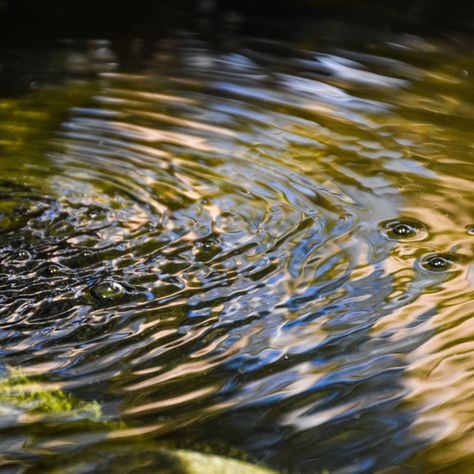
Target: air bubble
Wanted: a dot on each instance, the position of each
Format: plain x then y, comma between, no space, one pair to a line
470,229
52,270
207,244
108,290
403,229
96,213
206,249
229,222
439,262
23,255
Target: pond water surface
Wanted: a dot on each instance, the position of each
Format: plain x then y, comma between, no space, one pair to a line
254,246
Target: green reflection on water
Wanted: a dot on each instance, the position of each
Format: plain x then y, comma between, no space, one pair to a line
27,127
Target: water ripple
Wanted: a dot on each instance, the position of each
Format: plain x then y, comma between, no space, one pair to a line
266,246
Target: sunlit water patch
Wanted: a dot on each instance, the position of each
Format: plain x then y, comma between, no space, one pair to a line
264,246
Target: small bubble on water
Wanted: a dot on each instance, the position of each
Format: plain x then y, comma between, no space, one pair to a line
207,244
96,213
403,229
229,222
23,255
439,262
470,229
108,290
123,246
52,270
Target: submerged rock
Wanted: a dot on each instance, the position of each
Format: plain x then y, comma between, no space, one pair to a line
139,459
197,463
21,395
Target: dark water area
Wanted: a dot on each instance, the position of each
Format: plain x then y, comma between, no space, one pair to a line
253,244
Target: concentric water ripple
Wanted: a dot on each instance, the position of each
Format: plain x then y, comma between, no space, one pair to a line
264,245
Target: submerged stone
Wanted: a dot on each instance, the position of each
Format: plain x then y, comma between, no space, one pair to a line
20,394
153,459
197,463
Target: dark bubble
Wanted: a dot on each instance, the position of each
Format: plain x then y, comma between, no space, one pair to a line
23,255
52,270
207,249
470,229
403,229
207,244
96,213
108,290
439,262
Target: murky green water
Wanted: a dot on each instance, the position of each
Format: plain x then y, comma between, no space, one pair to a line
254,246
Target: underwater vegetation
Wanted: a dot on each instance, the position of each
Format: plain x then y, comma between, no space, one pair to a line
20,395
146,459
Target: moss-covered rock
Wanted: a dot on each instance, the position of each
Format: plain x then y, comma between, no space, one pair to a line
20,395
147,458
197,463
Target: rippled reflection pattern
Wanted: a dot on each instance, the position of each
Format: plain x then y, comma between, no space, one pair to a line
263,245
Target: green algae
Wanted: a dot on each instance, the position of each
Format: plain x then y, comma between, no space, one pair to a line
20,394
198,463
150,459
